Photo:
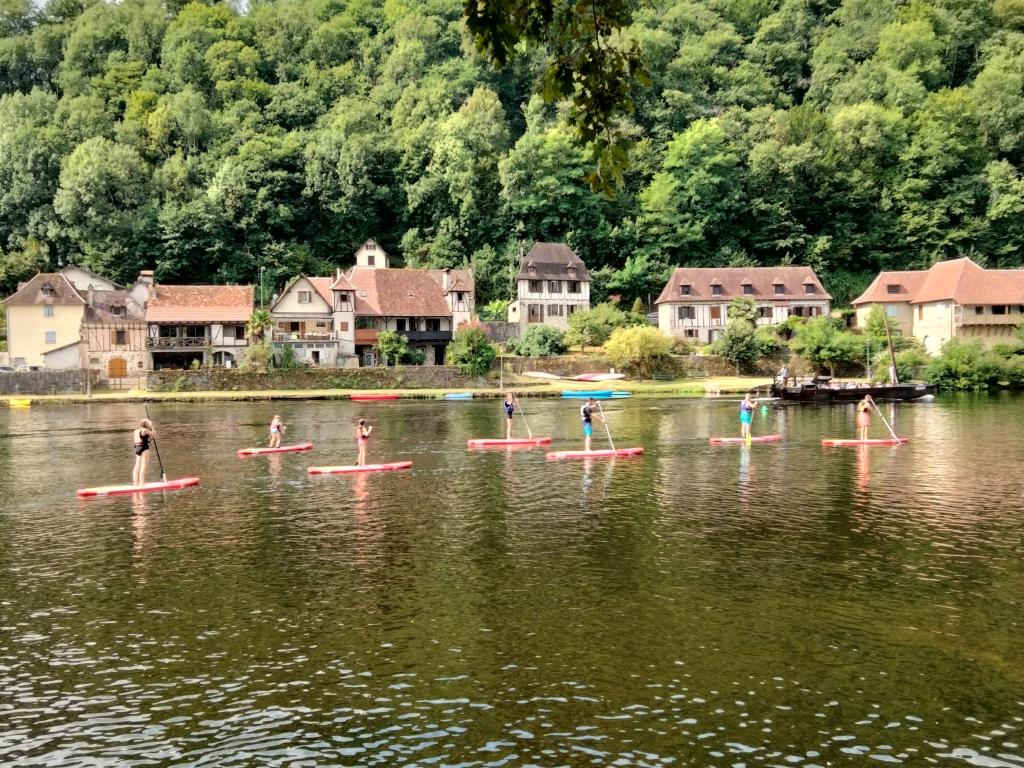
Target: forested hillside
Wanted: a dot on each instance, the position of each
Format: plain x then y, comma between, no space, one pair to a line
207,142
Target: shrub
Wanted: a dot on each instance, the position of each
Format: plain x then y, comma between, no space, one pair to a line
541,341
259,357
1013,370
737,344
494,311
592,327
391,346
471,350
288,360
414,357
638,307
769,343
965,365
637,348
1008,349
681,346
824,344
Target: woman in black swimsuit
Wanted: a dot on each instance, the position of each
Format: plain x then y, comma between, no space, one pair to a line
140,439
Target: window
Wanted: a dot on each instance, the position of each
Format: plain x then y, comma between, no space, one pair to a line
748,289
117,311
570,309
343,303
685,290
371,246
365,322
687,313
716,312
764,313
716,290
979,310
780,289
371,260
574,286
294,327
47,290
48,310
998,309
690,333
535,286
920,311
400,324
50,337
459,297
890,310
120,338
362,294
305,297
809,288
432,324
554,286
892,289
239,333
343,326
555,310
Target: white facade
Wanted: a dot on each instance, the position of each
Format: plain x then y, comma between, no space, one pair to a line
705,322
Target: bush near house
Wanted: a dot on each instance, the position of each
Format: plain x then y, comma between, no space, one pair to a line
471,350
638,349
592,327
966,365
538,341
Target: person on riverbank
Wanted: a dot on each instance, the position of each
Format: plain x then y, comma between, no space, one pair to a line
140,440
587,414
363,431
747,406
864,416
510,409
277,429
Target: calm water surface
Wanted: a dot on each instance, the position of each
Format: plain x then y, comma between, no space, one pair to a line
779,605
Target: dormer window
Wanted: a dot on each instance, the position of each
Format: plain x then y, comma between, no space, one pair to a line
716,290
117,311
893,289
780,289
371,246
47,290
748,289
362,294
809,288
686,290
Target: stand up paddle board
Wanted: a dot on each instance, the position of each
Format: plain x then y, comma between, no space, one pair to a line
602,454
738,440
598,394
371,396
355,468
283,449
882,441
458,396
486,443
123,490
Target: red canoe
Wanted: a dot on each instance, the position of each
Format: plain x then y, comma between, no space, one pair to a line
355,468
372,396
603,454
283,449
738,440
124,490
488,443
882,441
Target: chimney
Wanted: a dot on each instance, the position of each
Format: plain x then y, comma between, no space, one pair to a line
90,297
445,278
337,274
146,279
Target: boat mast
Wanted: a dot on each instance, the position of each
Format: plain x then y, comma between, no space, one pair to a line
892,355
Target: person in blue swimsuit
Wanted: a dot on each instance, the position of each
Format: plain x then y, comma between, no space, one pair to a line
587,414
747,415
510,409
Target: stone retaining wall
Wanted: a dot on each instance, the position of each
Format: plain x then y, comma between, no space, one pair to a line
233,379
44,382
680,366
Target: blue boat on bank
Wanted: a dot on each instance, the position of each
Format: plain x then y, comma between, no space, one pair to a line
598,394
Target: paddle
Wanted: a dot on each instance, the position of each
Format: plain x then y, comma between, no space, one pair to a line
608,431
163,475
891,430
523,414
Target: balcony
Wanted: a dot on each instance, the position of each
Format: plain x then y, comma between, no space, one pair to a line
426,336
969,318
366,335
173,342
305,336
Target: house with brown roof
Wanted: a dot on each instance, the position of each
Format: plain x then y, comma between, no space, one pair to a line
313,316
114,335
189,324
694,304
552,284
952,299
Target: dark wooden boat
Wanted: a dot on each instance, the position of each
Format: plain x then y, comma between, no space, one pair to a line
821,389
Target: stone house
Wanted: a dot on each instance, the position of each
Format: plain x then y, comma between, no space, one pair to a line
552,284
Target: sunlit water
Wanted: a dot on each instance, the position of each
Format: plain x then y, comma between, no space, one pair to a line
779,605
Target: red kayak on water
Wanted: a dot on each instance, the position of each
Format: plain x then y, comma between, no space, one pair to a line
880,441
243,452
124,490
496,442
738,440
373,396
343,470
602,454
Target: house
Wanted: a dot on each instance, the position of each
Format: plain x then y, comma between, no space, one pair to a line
190,324
694,304
336,321
552,284
952,299
114,334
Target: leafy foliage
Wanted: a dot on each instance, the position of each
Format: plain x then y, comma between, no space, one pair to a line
539,341
822,342
965,365
471,350
737,344
592,327
259,324
392,346
637,348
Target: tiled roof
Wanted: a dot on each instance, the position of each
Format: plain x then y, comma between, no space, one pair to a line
31,293
200,304
341,283
100,311
322,285
906,285
551,261
397,292
458,279
732,279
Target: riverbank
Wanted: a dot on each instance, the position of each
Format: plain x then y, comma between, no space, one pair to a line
716,385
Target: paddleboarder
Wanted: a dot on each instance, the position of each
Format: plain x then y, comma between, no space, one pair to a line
587,414
747,406
363,431
510,409
864,416
140,440
277,429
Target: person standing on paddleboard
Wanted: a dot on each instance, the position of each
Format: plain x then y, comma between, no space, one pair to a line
587,414
864,416
140,439
747,406
510,409
363,431
277,428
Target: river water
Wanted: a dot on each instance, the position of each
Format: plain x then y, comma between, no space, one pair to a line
776,605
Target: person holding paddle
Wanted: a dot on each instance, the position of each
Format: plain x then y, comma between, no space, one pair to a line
510,409
864,416
277,429
587,414
363,431
747,406
141,439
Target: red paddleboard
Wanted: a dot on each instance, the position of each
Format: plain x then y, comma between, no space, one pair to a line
738,440
487,443
603,454
283,449
123,490
355,468
371,396
882,441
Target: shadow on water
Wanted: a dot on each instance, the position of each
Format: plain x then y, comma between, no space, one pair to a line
777,604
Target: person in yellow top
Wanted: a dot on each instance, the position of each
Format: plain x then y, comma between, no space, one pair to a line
864,416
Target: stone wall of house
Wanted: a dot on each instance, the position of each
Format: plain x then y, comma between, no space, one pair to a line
232,380
44,382
501,332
